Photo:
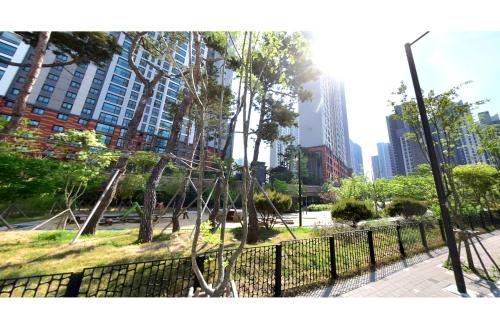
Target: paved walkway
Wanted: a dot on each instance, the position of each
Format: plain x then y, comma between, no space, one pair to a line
421,276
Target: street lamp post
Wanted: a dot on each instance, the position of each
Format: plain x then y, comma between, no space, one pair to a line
436,172
300,190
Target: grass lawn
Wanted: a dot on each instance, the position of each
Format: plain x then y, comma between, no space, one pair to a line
25,253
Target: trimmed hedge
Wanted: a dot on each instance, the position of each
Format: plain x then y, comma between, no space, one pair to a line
406,207
319,207
351,210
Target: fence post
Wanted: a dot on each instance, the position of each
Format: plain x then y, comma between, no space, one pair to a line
441,229
422,235
373,263
75,280
200,261
277,272
400,242
333,264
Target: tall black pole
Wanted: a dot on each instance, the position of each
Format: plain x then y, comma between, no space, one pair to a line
436,172
300,192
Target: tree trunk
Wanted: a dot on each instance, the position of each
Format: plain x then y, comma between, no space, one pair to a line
253,222
22,98
217,196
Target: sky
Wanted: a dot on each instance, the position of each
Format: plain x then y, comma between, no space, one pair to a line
372,64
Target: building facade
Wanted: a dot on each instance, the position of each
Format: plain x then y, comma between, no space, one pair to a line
101,98
356,159
323,129
404,154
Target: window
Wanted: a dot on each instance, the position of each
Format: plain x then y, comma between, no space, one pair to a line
125,122
104,128
114,98
124,53
153,120
62,117
105,139
116,89
38,111
122,62
90,101
6,117
123,132
126,44
134,95
172,93
100,72
174,86
6,49
1,73
119,80
149,138
57,128
78,74
123,72
48,88
136,87
108,118
83,66
10,37
164,133
21,79
66,106
52,77
57,68
94,91
97,81
83,121
131,104
143,63
43,99
157,104
119,142
9,103
15,91
129,114
107,107
34,123
151,129
71,95
161,88
62,57
87,111
74,84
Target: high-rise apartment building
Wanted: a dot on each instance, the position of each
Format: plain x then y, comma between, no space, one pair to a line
384,159
100,98
405,154
278,147
323,130
375,168
356,159
486,118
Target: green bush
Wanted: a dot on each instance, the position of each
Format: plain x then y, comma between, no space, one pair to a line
282,202
406,207
319,207
351,210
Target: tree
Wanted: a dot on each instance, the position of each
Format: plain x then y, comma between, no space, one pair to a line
158,49
281,202
355,187
479,185
280,173
447,116
350,209
489,141
82,47
406,207
283,65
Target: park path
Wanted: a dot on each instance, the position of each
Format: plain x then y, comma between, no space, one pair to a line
420,276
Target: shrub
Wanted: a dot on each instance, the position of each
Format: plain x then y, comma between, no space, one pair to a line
406,207
351,210
281,201
319,207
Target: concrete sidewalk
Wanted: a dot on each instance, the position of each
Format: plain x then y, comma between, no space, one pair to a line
421,276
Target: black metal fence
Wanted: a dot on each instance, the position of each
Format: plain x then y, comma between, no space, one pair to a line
275,270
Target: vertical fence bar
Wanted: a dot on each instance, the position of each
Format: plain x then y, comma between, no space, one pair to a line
333,264
75,280
200,260
400,242
422,234
441,229
373,263
277,272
